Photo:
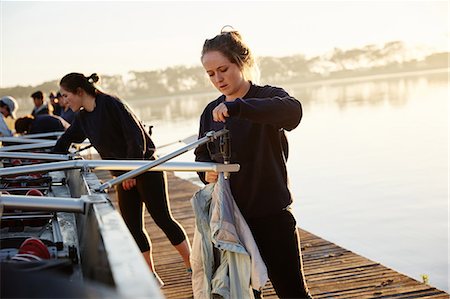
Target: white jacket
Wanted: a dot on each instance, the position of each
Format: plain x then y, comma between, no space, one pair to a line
219,222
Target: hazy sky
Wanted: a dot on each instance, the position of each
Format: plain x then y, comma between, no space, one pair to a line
42,41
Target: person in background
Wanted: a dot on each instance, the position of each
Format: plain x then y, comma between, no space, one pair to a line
8,107
54,101
116,133
256,117
40,106
66,112
44,123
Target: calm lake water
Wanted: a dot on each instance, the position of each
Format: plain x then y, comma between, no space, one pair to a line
368,165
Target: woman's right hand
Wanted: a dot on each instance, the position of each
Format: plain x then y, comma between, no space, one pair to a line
211,176
220,113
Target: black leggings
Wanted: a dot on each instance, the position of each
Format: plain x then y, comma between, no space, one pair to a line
278,242
151,189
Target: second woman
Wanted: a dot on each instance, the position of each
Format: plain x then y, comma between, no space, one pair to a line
116,133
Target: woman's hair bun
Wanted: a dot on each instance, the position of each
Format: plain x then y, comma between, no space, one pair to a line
93,78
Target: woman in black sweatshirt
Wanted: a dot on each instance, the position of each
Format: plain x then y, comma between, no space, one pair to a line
256,117
116,133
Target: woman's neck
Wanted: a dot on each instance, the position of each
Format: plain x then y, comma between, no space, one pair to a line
89,103
242,91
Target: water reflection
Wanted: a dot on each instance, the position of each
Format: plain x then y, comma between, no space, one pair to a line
344,94
393,91
172,108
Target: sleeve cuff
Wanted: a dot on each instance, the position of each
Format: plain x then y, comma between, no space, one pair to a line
234,108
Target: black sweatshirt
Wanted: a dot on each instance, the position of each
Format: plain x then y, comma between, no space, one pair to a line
113,130
258,144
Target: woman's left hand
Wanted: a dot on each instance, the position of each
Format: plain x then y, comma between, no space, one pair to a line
128,184
220,113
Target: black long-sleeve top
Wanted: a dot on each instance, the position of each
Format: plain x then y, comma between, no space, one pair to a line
113,130
258,144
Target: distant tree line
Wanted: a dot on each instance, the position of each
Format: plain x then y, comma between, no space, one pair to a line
369,60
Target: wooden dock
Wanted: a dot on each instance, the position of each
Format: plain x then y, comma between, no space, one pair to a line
331,271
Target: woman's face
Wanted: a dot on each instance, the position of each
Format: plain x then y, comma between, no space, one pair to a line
4,111
73,100
226,76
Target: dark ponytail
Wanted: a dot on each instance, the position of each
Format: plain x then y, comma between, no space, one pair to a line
73,81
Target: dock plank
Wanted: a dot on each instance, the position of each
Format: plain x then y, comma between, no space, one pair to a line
331,271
